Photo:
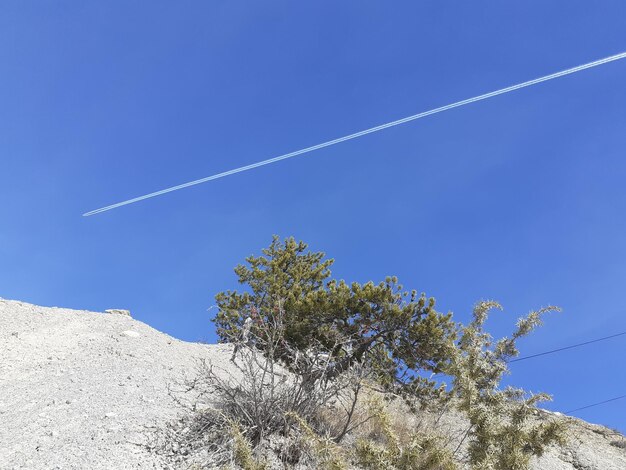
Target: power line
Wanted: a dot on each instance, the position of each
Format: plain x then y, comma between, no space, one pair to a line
567,347
563,349
555,350
596,404
364,132
576,346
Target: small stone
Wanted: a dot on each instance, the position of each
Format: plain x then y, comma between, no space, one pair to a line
132,334
110,415
117,311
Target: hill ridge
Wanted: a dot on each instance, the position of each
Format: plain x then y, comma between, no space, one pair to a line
78,389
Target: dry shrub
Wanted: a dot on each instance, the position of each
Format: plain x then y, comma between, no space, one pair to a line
242,451
266,389
394,445
621,444
253,406
281,406
192,440
323,450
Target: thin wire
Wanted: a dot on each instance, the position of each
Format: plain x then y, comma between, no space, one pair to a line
567,347
554,350
596,404
364,132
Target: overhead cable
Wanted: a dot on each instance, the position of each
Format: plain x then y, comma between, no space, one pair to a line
552,351
596,404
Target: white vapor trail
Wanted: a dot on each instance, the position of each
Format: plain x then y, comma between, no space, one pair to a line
364,132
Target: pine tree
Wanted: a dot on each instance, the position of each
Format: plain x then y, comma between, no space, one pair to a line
396,331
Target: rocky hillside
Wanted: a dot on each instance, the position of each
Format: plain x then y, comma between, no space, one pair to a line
80,390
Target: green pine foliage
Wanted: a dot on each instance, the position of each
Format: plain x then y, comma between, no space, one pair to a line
394,330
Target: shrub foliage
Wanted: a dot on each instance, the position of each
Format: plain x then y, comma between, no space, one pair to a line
318,360
504,433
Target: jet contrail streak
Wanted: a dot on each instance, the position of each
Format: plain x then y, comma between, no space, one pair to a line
364,132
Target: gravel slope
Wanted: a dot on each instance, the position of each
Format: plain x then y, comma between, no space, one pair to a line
77,389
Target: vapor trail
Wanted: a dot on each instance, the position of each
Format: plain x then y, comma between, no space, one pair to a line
364,132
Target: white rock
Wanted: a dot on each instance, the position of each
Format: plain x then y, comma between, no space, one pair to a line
130,333
118,311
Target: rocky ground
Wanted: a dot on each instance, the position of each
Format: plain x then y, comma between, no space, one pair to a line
79,389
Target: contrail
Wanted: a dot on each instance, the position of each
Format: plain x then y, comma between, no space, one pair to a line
364,132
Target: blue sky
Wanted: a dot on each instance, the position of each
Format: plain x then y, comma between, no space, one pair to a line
520,198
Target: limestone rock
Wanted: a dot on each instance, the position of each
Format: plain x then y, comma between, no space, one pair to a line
131,334
117,311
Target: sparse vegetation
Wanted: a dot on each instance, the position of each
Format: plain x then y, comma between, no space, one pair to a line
319,362
502,432
621,444
415,450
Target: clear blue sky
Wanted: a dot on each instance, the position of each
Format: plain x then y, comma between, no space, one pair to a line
520,198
